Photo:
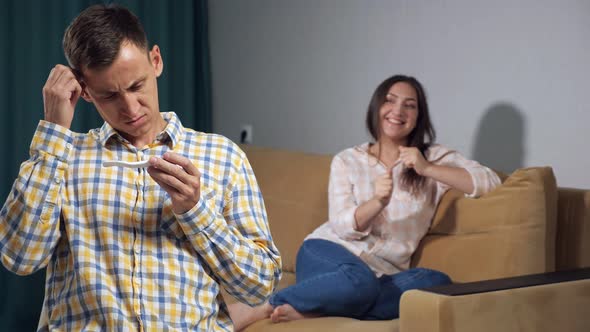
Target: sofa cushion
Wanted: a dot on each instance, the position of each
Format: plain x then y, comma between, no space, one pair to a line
507,232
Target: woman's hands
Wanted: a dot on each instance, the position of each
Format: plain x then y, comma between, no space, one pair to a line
384,187
455,177
364,213
179,178
411,157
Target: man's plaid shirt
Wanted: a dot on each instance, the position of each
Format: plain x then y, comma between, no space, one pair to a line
117,257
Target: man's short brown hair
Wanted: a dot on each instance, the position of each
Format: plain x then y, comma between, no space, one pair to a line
94,38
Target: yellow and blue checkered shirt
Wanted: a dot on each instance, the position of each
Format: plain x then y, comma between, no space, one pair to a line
117,257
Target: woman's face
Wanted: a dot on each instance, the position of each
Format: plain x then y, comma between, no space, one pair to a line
398,113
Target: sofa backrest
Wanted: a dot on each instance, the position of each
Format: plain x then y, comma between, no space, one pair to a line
295,190
508,232
573,229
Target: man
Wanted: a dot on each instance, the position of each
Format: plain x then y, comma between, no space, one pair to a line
132,248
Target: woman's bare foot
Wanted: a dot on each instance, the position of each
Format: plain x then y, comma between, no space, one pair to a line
243,315
286,313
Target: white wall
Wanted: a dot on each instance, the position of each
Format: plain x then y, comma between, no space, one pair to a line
507,81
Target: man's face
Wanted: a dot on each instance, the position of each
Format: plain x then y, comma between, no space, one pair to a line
126,93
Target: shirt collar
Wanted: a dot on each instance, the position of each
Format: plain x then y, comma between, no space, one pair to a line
174,129
172,133
363,150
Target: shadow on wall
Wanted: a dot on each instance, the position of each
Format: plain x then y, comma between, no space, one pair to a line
500,138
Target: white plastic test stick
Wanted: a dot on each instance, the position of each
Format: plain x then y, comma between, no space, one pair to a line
130,164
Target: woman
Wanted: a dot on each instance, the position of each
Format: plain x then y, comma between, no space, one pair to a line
382,198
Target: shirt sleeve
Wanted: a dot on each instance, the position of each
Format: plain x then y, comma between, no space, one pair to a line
236,242
484,179
29,219
342,203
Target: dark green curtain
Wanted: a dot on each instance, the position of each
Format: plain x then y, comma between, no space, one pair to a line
30,36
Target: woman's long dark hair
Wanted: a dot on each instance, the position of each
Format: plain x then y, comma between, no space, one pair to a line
421,137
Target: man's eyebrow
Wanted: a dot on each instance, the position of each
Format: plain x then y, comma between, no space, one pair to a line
137,81
104,92
134,83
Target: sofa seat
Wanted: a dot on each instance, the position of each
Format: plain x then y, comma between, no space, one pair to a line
327,324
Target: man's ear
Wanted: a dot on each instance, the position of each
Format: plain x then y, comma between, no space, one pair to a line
156,60
79,77
84,93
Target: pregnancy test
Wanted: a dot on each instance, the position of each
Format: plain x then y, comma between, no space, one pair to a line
130,164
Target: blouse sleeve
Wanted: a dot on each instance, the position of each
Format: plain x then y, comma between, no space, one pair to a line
484,179
342,203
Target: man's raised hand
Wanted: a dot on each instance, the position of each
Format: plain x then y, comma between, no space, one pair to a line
179,178
60,95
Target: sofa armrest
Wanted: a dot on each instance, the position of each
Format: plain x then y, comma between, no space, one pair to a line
557,301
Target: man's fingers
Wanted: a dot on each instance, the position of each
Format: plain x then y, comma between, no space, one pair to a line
171,168
175,175
163,177
55,76
74,88
181,161
170,190
58,73
184,189
62,81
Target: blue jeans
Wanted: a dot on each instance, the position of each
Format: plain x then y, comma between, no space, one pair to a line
332,281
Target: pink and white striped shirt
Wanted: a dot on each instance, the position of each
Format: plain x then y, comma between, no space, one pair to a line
388,244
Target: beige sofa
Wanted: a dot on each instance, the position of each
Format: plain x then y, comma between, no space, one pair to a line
502,251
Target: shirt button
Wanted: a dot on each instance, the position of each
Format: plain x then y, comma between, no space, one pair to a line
69,146
57,180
